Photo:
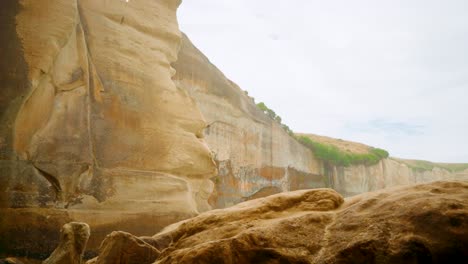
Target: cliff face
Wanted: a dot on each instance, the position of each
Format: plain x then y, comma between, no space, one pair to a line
93,127
254,155
387,173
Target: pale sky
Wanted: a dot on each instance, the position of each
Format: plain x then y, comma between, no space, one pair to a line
388,73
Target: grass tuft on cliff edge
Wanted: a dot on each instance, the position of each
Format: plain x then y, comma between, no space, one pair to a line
338,157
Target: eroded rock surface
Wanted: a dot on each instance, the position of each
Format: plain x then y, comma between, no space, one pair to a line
124,248
73,239
425,223
93,128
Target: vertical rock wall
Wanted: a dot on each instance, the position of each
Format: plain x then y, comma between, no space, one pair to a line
93,127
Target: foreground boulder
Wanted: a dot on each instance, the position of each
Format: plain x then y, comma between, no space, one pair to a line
73,239
10,261
416,224
124,248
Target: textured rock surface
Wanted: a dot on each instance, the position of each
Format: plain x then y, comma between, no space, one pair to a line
254,155
11,261
73,239
19,261
93,128
425,223
124,248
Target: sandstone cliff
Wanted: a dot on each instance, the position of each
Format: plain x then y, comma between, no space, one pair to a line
93,127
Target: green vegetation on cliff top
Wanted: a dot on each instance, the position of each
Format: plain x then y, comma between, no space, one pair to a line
327,152
337,157
330,153
270,113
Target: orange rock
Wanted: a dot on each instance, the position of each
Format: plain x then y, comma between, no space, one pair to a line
415,224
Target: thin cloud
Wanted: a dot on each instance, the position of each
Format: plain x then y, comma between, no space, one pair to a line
338,67
387,127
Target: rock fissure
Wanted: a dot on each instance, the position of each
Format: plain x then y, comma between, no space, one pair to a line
54,182
90,84
326,237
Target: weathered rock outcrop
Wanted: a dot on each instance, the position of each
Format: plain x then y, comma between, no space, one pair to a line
254,155
124,248
93,128
425,223
73,240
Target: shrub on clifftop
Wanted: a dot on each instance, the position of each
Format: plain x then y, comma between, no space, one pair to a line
270,113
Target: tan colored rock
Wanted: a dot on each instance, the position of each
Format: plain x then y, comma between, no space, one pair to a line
19,261
73,239
425,223
124,248
11,261
93,128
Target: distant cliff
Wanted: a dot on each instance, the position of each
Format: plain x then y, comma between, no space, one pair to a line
255,157
387,173
370,170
